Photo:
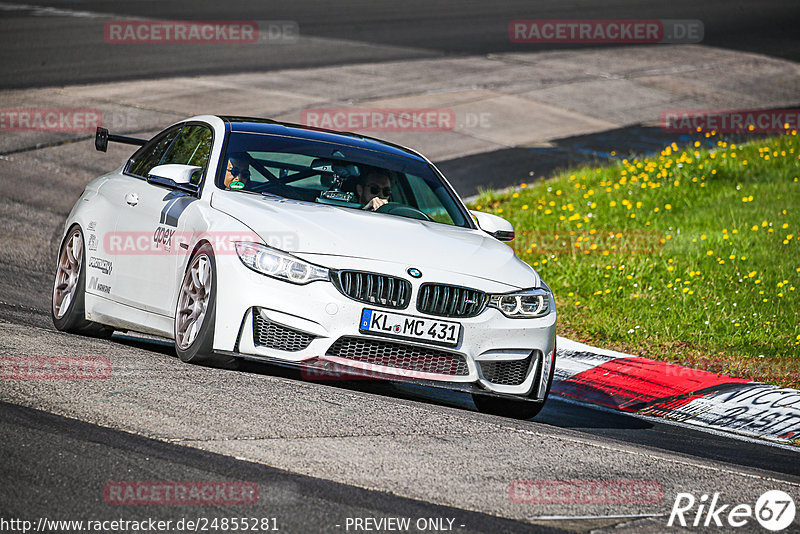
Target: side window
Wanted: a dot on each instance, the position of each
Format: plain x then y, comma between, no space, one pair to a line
150,155
193,147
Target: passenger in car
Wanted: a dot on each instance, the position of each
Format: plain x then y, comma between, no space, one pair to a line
374,190
238,170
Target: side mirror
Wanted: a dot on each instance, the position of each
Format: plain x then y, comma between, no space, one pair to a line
175,176
495,226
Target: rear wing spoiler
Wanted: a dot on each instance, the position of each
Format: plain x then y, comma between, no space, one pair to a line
102,137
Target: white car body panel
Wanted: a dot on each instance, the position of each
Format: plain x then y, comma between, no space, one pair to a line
138,291
306,228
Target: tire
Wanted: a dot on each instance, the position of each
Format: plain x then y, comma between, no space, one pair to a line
68,302
195,313
522,408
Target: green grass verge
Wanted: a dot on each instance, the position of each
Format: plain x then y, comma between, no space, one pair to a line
689,256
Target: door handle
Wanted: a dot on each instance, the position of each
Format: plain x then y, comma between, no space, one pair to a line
132,199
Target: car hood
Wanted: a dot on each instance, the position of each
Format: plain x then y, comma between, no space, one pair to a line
305,229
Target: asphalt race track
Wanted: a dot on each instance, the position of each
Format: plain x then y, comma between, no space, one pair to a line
327,452
340,33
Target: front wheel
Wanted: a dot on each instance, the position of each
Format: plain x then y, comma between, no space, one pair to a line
195,314
68,309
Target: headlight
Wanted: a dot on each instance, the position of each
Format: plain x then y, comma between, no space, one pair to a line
280,265
523,304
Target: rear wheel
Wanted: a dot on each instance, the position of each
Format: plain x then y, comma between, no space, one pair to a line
195,315
68,308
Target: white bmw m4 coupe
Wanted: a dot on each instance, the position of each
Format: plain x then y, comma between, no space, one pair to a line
331,252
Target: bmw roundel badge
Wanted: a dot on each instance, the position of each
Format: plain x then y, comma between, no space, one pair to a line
414,272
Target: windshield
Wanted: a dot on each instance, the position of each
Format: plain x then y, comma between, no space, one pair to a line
337,175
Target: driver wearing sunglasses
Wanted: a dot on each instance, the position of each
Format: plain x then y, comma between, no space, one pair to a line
238,169
374,190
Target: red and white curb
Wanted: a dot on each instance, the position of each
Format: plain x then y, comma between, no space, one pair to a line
649,387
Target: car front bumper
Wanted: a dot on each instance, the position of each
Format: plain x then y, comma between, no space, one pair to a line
306,321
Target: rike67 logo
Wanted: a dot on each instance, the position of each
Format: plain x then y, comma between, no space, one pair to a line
774,510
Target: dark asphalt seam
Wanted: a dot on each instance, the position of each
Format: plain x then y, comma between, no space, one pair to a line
334,436
36,310
61,427
40,146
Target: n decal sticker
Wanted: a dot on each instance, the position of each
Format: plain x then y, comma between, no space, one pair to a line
95,285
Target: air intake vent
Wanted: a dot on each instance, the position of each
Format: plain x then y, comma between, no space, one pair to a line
450,301
279,337
373,288
400,356
506,373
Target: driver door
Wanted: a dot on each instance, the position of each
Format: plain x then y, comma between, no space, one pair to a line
147,277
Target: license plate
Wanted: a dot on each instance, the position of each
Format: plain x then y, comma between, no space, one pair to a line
408,327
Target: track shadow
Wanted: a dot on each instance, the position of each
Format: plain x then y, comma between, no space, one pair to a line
512,166
560,413
161,346
555,413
